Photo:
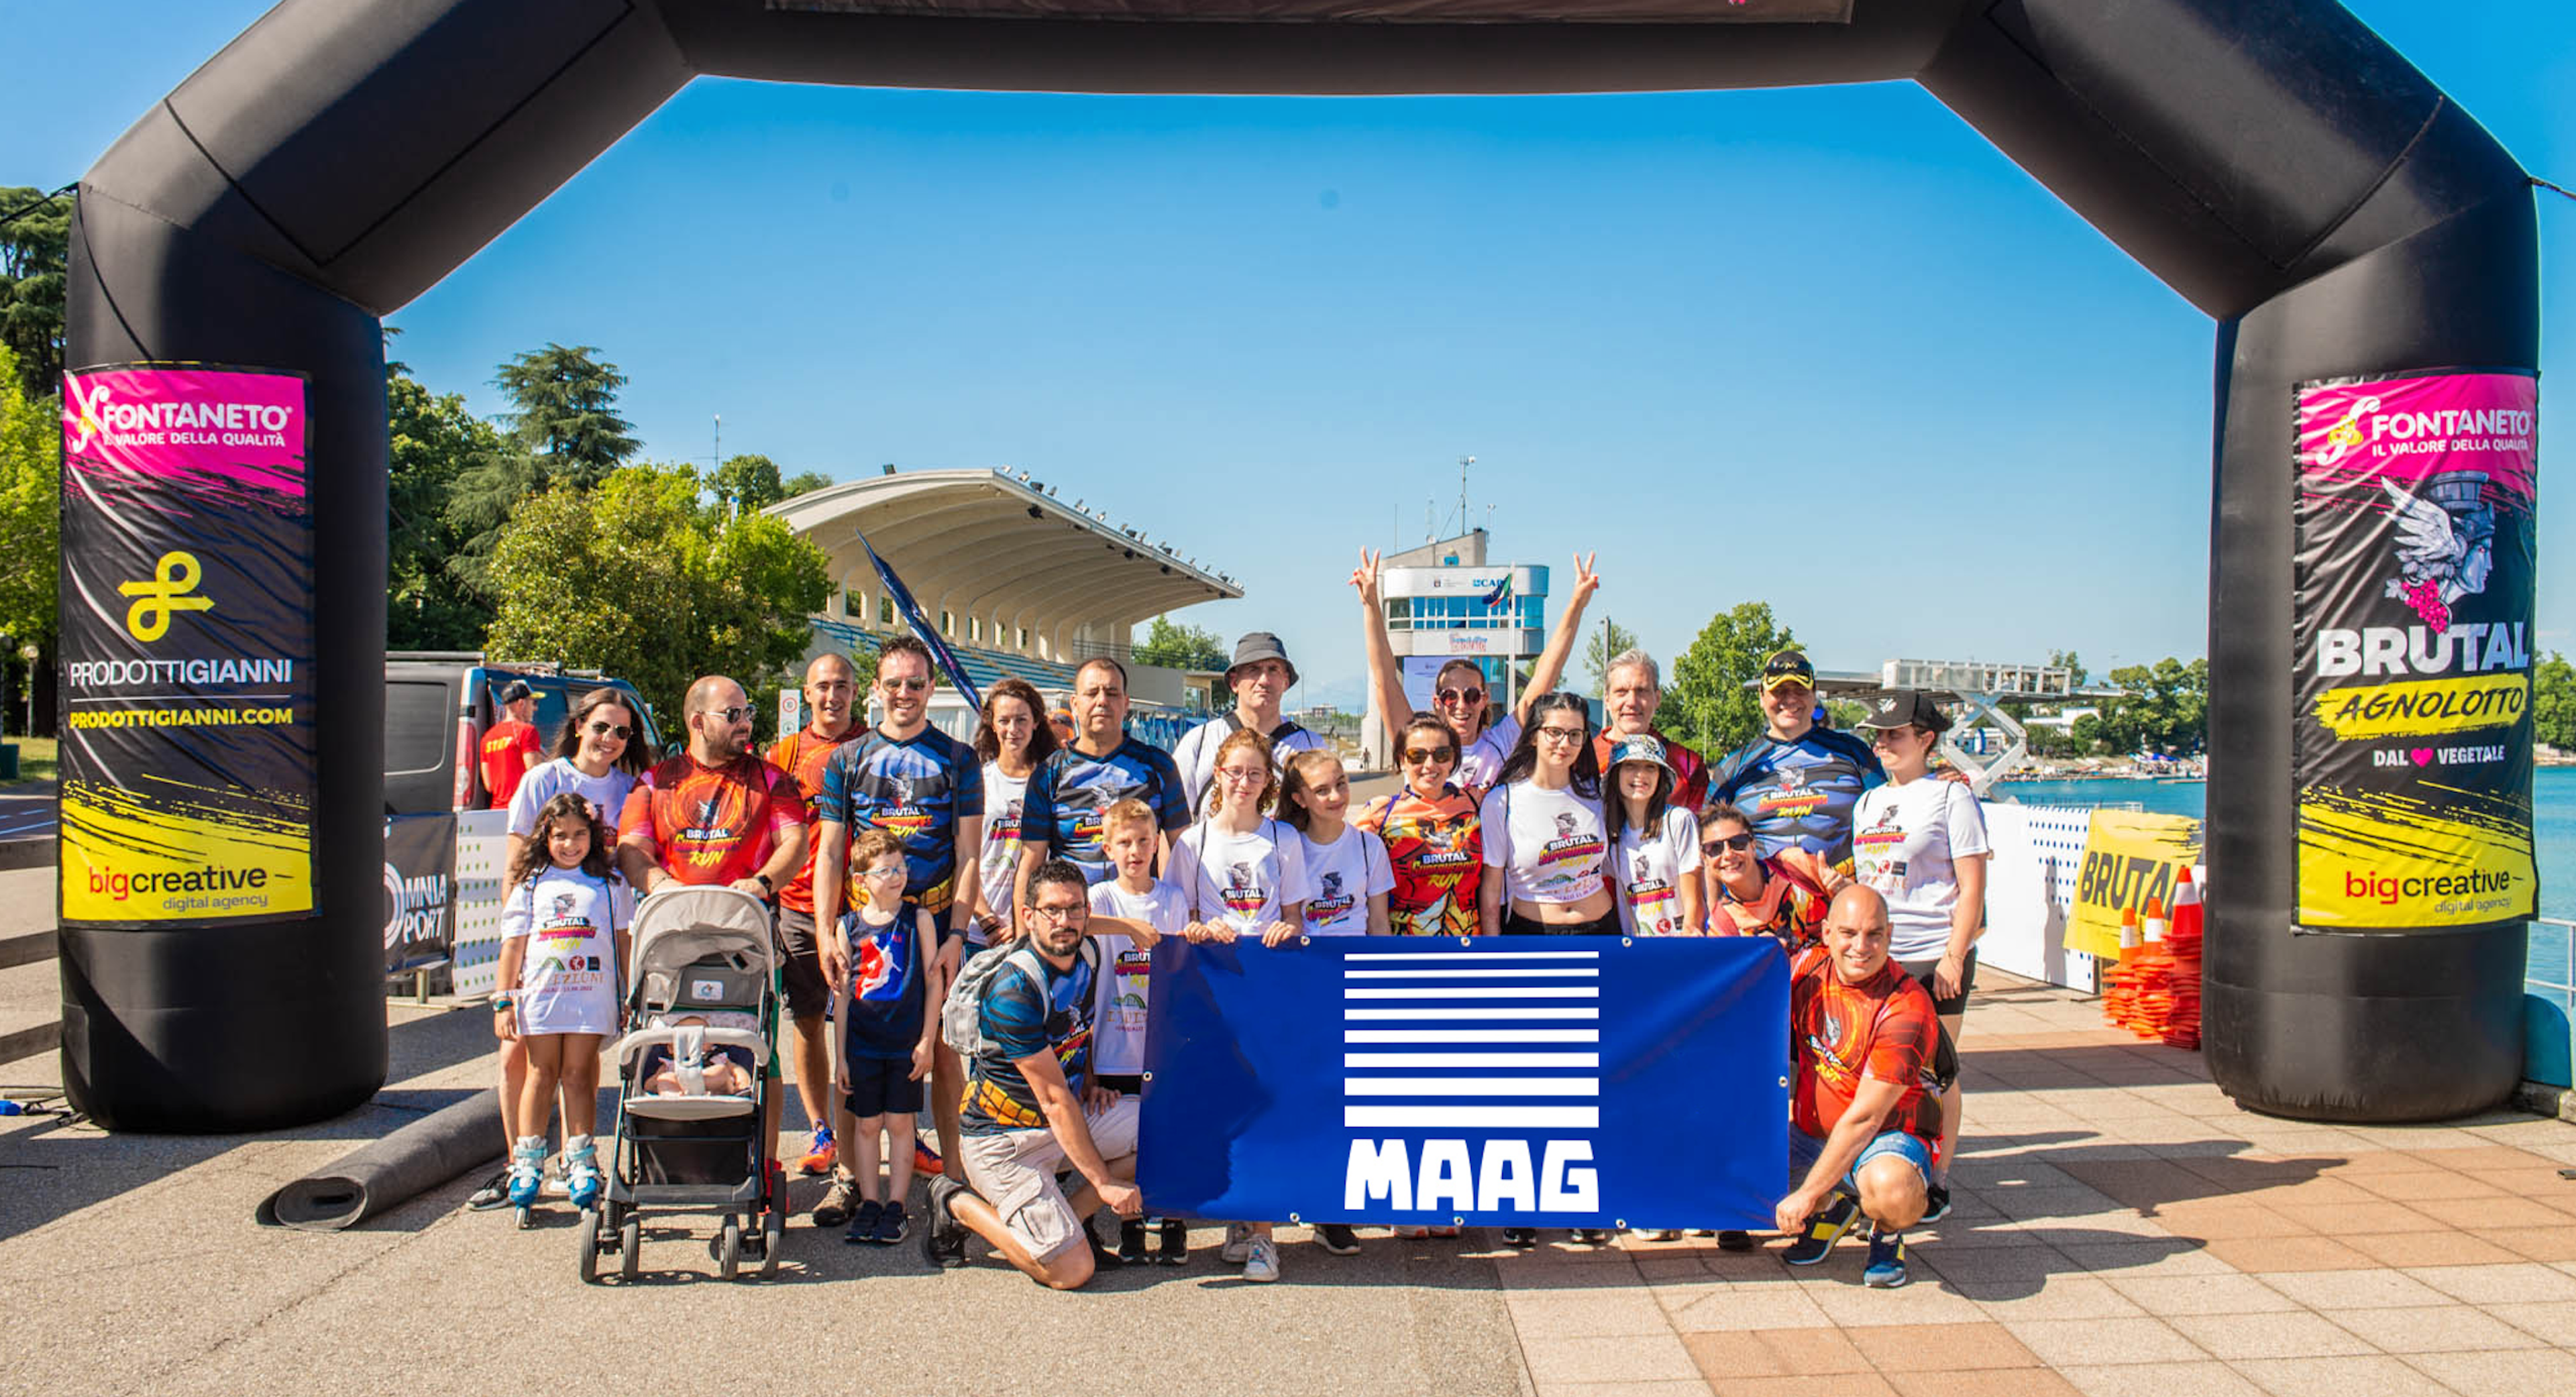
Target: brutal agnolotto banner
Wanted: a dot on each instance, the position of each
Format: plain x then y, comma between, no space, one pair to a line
2413,626
187,646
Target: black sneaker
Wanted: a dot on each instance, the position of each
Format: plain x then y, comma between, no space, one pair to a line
1337,1238
1172,1248
892,1227
1592,1236
1520,1237
863,1222
943,1241
1936,1202
837,1202
1823,1230
494,1192
1731,1240
1131,1244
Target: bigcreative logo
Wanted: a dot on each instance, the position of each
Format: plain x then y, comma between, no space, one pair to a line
156,601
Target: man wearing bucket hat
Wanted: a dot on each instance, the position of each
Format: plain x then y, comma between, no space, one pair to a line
1797,782
1260,678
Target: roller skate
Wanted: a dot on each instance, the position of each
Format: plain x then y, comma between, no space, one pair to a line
581,1171
527,1176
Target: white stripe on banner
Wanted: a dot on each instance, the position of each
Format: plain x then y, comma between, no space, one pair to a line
1470,1035
1532,1012
1471,1060
1564,973
1457,957
1474,1117
1471,1086
1480,992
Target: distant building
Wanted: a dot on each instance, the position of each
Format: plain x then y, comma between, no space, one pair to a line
1445,601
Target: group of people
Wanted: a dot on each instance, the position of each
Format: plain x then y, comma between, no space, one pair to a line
1033,873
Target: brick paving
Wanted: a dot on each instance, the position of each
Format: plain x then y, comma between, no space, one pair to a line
2123,1229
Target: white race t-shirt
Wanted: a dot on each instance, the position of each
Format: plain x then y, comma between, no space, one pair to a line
1905,841
568,972
1118,1016
1000,866
1483,758
606,794
1549,844
1195,755
1248,880
1341,877
1651,867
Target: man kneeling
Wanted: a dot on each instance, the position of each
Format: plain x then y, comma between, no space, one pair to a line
1862,1129
1026,1109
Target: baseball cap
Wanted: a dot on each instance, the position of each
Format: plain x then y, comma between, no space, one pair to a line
516,690
1905,708
1257,646
1787,667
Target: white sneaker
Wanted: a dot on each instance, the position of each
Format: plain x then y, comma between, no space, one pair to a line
1411,1234
1238,1243
1261,1260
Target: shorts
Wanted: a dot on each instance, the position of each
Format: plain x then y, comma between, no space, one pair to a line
882,1086
1014,1171
801,965
1607,924
1923,971
1805,1149
1123,1083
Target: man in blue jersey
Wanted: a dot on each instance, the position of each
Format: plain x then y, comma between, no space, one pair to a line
1072,789
1796,781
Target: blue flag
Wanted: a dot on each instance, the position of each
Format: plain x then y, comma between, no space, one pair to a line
1582,1081
921,626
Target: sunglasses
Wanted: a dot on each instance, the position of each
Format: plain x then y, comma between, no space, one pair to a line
1462,696
1737,842
910,684
605,729
731,716
1431,754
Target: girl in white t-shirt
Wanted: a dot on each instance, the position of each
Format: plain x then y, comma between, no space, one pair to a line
1921,843
1348,875
1654,844
1544,832
563,941
1243,874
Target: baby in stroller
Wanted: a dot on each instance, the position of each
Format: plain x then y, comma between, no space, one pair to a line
688,1067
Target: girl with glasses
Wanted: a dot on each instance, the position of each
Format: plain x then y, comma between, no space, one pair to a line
1546,842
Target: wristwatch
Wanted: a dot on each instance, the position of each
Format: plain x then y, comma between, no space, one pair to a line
500,1002
766,885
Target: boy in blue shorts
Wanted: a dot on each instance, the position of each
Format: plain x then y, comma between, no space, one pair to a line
889,1036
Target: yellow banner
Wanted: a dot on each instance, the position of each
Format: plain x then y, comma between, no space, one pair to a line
2425,707
2128,859
178,857
2372,860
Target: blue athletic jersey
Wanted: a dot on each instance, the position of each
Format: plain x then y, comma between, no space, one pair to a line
1800,794
887,991
917,790
1068,792
1021,1018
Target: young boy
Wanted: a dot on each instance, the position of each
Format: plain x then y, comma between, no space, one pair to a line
1129,835
889,944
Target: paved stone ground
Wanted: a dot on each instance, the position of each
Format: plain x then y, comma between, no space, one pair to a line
2121,1229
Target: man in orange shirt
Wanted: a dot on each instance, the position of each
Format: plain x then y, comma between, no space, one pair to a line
510,746
830,686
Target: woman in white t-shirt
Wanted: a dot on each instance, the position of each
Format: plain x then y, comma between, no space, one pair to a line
1654,844
1348,875
1544,831
1921,843
1012,739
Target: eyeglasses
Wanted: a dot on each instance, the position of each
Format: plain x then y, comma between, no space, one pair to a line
1561,734
1242,777
731,716
1058,912
599,728
1737,842
1431,754
1462,696
910,683
890,871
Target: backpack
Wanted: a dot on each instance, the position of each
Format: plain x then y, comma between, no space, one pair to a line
961,1013
1287,727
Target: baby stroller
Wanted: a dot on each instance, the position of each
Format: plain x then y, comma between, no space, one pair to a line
704,954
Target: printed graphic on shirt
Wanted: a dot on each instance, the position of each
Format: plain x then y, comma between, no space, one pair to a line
1069,793
1573,854
1882,1030
1878,851
1331,901
1438,854
712,824
1021,1019
916,789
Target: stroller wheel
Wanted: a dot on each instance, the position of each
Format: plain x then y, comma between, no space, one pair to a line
773,1239
630,1241
527,1218
589,1238
729,1248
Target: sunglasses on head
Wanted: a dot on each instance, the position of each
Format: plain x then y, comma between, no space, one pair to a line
602,728
1738,842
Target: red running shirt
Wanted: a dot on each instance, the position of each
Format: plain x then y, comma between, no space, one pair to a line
1437,851
803,755
1839,1035
509,749
711,824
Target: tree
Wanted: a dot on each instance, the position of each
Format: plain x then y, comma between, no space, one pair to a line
2067,659
1180,647
639,579
806,483
431,602
1710,704
751,482
2553,702
31,458
34,251
1608,643
2167,708
565,413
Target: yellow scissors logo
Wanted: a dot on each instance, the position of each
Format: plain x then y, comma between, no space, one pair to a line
173,578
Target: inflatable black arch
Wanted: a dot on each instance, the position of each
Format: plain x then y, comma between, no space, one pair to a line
2274,161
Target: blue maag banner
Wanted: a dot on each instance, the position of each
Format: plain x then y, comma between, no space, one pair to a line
1578,1081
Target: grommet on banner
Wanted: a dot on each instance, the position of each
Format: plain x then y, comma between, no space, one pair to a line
1296,1220
1620,1223
1624,941
1466,941
1784,1081
1150,1076
1305,941
1457,1222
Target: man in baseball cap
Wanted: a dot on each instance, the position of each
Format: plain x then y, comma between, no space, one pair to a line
1797,782
510,746
1260,677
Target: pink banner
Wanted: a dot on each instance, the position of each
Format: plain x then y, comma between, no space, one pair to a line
2409,429
211,430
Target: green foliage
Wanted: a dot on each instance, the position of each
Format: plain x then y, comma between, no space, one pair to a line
2068,659
431,603
1608,642
2553,702
31,460
639,579
751,482
565,413
34,252
1180,647
2166,709
1846,713
1708,703
806,483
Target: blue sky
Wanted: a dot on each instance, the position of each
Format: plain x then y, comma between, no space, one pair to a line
1821,347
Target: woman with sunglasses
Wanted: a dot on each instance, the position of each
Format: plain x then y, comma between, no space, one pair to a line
1433,840
1783,896
1458,692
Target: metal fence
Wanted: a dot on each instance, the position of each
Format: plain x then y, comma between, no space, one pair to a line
2549,1003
